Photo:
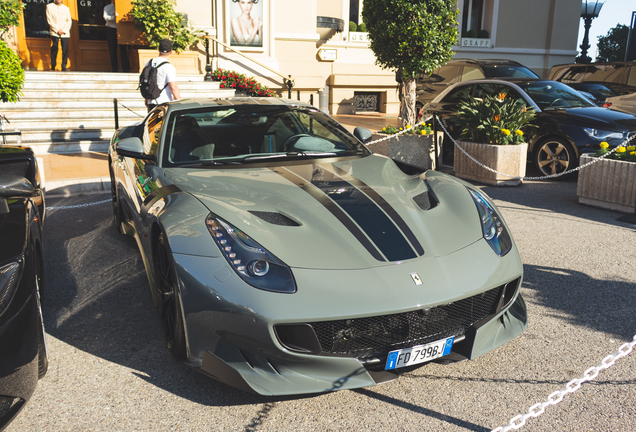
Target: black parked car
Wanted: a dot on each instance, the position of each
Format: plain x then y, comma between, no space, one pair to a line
567,124
460,70
23,357
619,77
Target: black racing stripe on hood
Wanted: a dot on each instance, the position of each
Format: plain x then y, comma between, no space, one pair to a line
390,211
332,208
364,211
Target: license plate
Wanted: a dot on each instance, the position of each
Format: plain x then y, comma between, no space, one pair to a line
419,354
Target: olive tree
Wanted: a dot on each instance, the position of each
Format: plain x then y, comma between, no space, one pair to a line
411,37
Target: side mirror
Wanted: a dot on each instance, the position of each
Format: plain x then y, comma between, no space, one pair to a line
132,147
363,134
12,185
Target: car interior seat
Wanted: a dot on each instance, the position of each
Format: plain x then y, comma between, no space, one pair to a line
189,141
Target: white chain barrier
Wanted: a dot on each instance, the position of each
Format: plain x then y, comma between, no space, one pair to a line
78,205
556,397
627,141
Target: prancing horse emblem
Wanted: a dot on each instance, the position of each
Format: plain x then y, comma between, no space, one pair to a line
416,279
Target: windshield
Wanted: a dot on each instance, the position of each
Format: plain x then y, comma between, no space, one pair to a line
507,71
221,135
555,95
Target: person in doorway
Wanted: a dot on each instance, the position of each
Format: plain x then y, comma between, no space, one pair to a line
110,16
58,16
166,76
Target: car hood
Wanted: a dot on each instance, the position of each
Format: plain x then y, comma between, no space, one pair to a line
599,117
347,213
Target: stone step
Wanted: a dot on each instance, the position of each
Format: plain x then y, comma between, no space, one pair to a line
33,76
44,135
73,94
44,86
67,146
35,115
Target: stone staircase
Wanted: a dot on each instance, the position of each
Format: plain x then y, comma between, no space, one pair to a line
72,112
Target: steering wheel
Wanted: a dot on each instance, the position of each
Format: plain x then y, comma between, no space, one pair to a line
290,141
555,101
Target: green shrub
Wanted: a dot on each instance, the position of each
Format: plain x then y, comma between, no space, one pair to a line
483,34
472,33
362,27
353,26
158,20
11,74
10,11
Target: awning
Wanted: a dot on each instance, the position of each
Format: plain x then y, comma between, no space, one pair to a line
333,23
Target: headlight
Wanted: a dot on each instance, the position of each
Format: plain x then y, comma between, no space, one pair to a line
9,278
252,262
492,225
602,135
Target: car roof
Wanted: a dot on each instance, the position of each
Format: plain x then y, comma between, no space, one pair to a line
187,104
514,83
623,63
487,61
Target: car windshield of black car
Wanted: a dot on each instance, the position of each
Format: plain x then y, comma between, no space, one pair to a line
554,95
507,71
240,134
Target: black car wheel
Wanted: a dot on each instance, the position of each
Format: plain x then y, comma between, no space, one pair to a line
117,212
43,357
554,156
169,304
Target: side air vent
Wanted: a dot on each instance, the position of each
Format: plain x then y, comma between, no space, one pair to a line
425,201
275,218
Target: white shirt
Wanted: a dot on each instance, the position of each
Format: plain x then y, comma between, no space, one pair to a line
165,74
59,18
109,15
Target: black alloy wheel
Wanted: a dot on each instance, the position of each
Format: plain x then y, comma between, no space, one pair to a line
169,302
554,156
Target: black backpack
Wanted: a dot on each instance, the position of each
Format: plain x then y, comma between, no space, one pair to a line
148,81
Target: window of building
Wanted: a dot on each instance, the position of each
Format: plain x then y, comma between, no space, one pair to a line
472,17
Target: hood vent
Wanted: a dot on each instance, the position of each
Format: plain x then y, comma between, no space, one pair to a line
425,200
275,218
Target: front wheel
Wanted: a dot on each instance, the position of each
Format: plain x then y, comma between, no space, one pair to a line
554,156
170,303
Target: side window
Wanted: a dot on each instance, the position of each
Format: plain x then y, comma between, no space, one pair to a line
447,74
631,77
152,133
458,94
472,73
572,74
483,90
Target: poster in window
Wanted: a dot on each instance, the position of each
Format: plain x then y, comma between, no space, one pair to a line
246,23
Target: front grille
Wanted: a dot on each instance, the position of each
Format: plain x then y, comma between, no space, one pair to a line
376,336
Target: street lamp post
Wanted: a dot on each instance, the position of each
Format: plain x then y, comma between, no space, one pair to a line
589,10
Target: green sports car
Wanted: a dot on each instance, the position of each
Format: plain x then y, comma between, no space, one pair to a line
286,258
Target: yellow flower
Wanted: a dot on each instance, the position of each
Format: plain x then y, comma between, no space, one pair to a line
506,132
518,132
400,128
631,148
604,145
408,126
423,132
620,150
384,129
633,153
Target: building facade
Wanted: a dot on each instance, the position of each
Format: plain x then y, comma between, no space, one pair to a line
310,41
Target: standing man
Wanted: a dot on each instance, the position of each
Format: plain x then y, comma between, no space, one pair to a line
59,18
166,76
110,16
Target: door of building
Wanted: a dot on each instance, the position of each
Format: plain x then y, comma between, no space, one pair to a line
88,49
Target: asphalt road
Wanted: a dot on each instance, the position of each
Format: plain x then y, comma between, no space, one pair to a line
110,370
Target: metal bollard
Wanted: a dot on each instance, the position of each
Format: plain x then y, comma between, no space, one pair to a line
323,100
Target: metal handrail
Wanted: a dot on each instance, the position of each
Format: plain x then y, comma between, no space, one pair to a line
287,80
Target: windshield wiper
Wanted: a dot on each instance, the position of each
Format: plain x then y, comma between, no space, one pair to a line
206,163
289,155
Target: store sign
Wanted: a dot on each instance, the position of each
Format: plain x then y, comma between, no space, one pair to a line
475,43
358,37
328,54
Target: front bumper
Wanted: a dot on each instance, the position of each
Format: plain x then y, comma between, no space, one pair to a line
230,326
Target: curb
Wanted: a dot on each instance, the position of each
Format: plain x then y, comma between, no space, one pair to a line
78,186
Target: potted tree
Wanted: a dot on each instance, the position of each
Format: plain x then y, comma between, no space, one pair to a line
413,145
608,182
492,128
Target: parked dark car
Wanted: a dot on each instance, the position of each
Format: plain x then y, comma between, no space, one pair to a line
23,357
620,77
460,70
597,93
567,124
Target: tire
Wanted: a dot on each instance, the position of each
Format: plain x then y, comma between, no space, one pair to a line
117,211
43,357
169,301
554,156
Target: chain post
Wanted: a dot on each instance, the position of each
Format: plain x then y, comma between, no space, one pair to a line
116,114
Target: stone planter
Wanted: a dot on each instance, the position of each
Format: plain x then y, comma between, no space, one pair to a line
416,150
507,159
607,184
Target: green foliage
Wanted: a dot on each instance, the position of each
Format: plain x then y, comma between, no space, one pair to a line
411,35
362,27
612,46
353,26
11,74
423,129
483,34
241,82
472,33
494,120
10,11
158,20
